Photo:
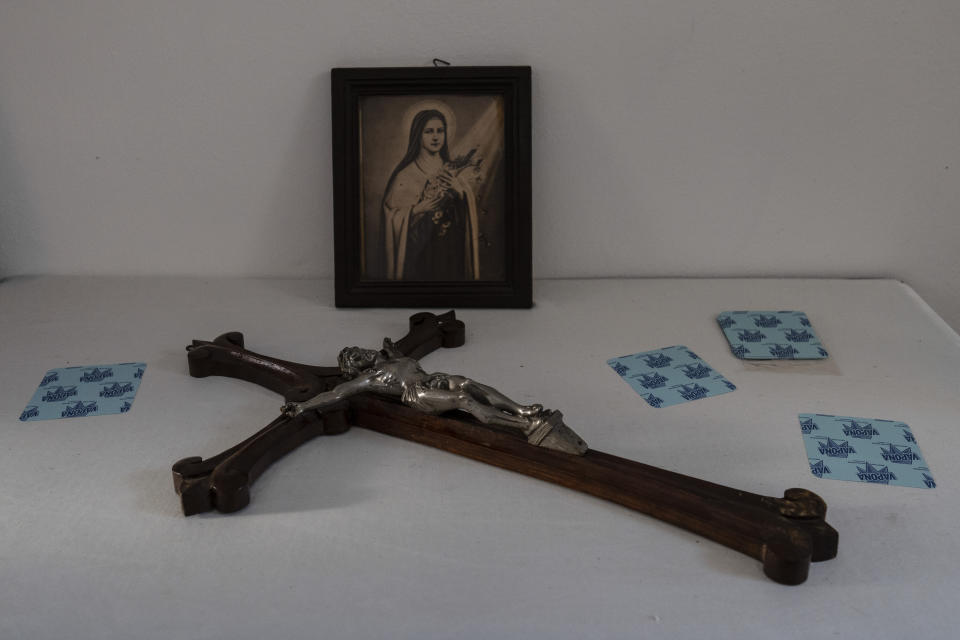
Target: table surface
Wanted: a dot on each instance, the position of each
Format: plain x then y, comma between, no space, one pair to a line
366,536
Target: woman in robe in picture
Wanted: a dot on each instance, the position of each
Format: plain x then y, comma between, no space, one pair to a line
429,209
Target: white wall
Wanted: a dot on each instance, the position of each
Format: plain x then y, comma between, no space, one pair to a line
671,137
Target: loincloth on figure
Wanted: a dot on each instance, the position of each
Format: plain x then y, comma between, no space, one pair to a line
417,395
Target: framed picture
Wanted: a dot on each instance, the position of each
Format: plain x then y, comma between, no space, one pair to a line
431,171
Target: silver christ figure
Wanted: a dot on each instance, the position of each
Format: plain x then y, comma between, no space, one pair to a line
389,373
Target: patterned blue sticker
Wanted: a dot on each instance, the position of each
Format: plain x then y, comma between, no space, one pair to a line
864,450
670,376
771,335
75,392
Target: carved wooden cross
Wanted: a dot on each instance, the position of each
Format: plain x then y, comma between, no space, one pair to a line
785,534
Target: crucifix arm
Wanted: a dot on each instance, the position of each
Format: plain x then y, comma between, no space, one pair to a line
328,398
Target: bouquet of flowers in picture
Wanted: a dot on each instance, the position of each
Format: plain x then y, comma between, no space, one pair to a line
465,166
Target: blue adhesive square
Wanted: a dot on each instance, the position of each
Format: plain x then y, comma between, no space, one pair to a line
669,376
864,450
771,335
73,392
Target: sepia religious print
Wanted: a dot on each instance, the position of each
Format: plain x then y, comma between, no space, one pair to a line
431,186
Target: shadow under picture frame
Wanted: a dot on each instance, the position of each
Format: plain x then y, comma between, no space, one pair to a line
432,197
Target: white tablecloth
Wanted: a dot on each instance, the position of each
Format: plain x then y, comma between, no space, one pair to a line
365,536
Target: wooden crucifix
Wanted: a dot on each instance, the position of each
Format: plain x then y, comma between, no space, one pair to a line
386,390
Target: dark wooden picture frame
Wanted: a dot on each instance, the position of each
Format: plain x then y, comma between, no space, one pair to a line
486,256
